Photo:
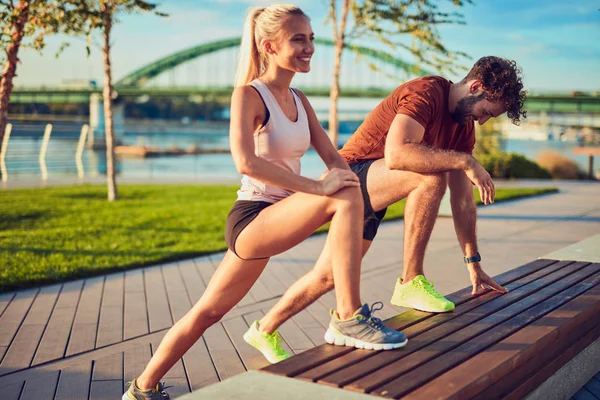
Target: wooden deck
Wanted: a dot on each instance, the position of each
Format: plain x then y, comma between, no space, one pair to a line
84,339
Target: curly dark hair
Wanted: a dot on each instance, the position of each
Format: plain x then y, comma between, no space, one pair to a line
502,81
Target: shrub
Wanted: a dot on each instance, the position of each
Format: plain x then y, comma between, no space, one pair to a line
560,166
512,165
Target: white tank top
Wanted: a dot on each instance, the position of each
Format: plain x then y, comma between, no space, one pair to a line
281,142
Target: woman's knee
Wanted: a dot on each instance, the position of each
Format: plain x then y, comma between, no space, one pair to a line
348,197
208,315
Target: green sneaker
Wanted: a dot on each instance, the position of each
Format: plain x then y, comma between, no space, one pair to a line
134,393
420,295
268,344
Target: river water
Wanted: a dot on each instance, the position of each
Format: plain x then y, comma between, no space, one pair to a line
25,143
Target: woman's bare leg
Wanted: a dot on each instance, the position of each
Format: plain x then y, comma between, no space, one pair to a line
229,284
266,236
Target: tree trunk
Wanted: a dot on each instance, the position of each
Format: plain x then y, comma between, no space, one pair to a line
107,12
10,67
335,86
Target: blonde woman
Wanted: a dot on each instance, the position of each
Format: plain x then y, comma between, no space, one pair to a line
272,126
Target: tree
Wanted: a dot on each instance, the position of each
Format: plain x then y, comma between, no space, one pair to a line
389,22
89,16
22,20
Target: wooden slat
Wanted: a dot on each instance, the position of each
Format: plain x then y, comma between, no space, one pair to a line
425,372
108,368
110,326
295,337
106,390
24,344
192,280
252,359
175,376
12,392
199,366
579,306
54,341
205,268
41,388
159,315
85,324
74,382
322,354
179,301
384,366
13,316
5,300
311,327
357,357
134,362
135,314
26,341
225,357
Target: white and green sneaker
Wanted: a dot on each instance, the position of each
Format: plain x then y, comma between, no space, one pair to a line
134,393
268,344
420,295
363,331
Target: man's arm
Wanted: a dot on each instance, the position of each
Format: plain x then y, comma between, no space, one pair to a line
464,214
404,151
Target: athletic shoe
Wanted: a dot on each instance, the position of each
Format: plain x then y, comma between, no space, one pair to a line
268,344
363,331
134,393
420,295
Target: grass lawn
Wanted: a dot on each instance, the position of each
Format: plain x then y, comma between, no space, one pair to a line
60,233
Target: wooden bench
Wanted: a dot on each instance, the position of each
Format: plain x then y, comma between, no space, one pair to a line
492,346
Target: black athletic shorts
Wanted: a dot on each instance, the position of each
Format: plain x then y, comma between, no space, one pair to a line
242,213
372,218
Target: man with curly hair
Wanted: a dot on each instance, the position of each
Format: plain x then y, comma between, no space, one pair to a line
416,142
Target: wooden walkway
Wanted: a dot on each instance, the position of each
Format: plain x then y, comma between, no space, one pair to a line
84,339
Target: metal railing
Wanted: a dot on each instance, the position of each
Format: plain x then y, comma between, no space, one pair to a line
17,157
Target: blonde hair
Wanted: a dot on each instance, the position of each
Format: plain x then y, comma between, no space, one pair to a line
262,23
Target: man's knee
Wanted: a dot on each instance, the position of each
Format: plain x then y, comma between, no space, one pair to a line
436,182
324,279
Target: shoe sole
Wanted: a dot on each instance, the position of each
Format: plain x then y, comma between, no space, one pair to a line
343,340
426,309
253,343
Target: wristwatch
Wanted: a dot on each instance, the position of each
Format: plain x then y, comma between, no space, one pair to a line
472,259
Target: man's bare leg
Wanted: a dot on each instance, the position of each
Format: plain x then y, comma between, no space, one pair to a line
424,192
305,291
385,187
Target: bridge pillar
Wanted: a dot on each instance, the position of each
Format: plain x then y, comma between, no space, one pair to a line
96,135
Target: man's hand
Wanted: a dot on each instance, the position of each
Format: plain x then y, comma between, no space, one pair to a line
480,279
482,179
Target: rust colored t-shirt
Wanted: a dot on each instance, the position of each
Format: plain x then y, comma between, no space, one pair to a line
426,101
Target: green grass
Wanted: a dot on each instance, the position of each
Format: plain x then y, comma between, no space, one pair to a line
60,233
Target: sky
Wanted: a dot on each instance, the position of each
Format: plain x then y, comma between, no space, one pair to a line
555,42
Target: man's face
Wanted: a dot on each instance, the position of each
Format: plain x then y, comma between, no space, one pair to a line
476,108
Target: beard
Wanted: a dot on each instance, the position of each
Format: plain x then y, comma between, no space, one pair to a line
464,108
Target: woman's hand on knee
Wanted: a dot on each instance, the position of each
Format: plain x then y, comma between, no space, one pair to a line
337,179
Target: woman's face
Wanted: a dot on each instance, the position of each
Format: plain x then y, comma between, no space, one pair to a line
294,47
